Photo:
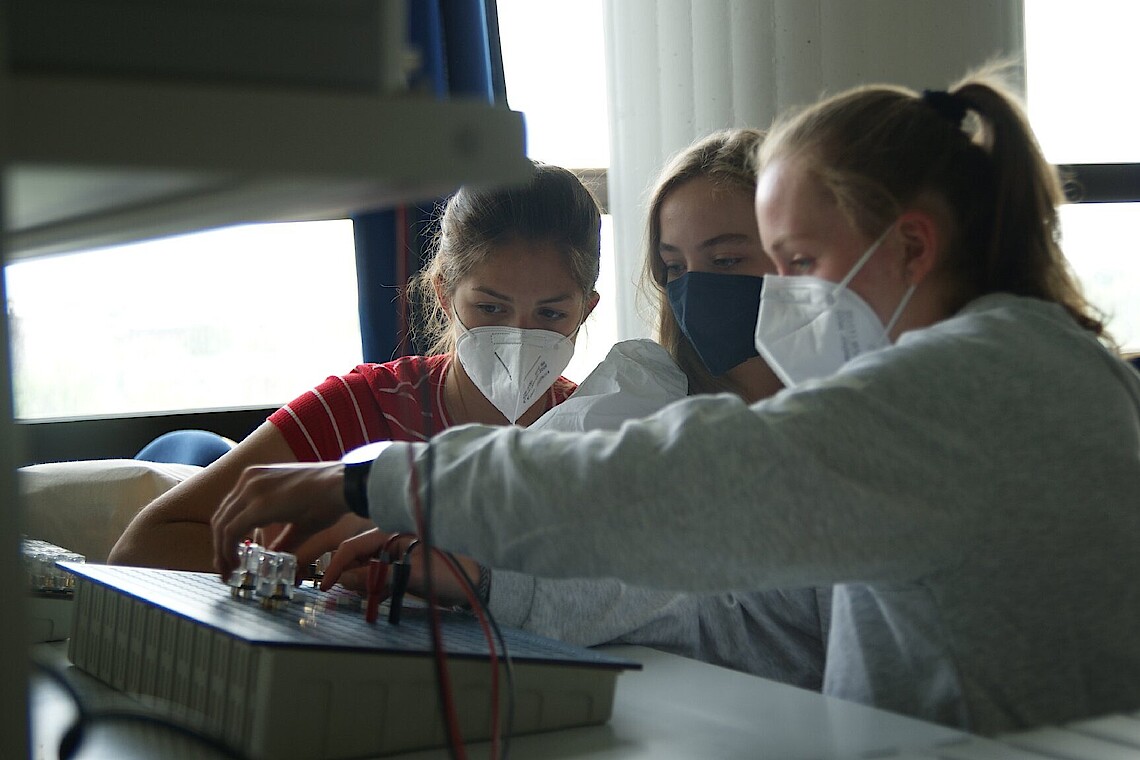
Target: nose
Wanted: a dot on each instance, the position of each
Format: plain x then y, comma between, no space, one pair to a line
524,322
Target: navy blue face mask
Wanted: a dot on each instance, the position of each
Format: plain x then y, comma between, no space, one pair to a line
717,313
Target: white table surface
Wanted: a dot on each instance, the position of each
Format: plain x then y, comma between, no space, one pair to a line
671,709
681,708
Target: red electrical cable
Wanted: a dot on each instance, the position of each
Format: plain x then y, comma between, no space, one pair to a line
476,606
447,697
374,584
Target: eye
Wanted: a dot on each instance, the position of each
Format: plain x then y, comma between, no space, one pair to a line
801,265
673,270
552,315
490,308
727,262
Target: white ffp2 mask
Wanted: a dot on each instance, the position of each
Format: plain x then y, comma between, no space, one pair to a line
809,327
513,366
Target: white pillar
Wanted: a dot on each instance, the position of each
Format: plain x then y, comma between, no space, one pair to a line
679,69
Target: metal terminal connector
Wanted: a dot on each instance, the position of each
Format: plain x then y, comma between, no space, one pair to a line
263,573
276,573
243,580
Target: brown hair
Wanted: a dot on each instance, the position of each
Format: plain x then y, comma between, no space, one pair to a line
725,158
552,207
969,157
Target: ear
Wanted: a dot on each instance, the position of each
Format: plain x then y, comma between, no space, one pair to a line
440,296
922,243
590,304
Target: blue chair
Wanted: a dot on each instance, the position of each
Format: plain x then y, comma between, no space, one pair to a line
199,447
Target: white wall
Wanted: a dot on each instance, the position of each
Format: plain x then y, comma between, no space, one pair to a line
678,69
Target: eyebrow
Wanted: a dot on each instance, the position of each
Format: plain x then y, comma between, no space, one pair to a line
728,237
776,246
508,299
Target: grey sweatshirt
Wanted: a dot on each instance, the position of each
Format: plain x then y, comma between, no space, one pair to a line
971,491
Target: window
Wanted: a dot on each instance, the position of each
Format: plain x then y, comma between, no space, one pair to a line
237,317
243,316
1081,70
554,64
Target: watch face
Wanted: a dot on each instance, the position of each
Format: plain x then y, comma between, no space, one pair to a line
365,453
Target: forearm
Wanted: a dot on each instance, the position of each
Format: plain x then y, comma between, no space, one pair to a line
519,500
631,504
774,634
583,611
181,545
777,634
173,531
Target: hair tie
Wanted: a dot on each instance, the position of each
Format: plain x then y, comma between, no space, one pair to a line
948,105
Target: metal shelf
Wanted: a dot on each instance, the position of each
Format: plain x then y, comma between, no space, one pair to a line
96,161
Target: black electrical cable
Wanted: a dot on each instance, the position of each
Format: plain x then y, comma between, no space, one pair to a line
443,686
401,574
496,642
508,667
76,733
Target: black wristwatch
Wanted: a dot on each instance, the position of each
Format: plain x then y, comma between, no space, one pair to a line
356,486
357,465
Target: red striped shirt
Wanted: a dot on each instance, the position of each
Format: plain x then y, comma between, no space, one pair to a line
375,402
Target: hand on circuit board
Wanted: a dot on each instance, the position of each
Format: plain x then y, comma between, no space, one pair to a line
358,551
306,498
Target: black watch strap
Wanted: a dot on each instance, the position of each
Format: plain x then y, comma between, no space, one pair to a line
356,486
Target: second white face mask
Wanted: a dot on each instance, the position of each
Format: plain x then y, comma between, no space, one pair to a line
513,366
809,327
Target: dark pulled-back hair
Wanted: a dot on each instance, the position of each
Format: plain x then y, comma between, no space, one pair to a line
553,206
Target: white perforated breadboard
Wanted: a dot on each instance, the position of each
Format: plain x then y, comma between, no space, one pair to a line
313,679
